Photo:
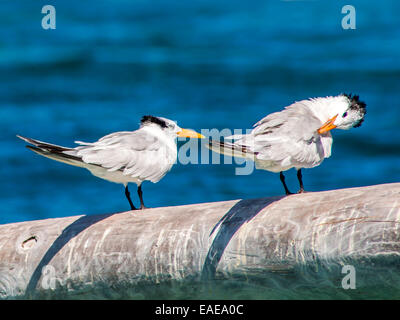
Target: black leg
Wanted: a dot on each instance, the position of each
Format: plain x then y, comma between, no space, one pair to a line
140,193
284,183
128,196
300,177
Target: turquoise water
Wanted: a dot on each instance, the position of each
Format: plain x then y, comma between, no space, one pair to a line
206,64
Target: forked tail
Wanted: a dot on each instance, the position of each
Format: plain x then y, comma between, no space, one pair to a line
230,149
53,152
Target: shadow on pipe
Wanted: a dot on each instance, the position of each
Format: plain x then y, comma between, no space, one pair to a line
68,233
243,211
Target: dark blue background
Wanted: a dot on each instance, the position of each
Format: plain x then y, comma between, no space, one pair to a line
207,64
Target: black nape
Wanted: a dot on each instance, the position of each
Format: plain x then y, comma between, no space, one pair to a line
152,119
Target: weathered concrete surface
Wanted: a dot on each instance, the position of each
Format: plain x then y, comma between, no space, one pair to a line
201,241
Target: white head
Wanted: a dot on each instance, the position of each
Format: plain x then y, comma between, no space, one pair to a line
343,112
169,127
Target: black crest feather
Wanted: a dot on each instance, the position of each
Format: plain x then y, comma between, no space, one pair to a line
152,119
357,104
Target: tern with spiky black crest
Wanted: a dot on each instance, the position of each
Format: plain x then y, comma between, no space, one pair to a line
297,137
146,154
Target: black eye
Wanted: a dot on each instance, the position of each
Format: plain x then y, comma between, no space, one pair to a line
344,115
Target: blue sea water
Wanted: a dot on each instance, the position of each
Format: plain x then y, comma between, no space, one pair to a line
207,64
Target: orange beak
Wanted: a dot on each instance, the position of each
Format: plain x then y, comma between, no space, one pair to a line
190,134
328,126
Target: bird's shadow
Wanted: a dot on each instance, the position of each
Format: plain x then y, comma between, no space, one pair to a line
243,211
67,234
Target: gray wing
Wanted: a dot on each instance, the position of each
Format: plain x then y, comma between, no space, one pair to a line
290,137
137,154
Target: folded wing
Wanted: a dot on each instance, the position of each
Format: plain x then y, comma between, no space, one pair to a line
137,154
